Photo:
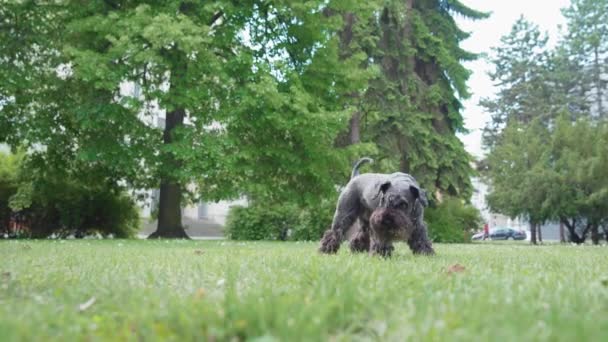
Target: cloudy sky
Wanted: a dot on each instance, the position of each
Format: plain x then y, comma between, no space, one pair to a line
486,34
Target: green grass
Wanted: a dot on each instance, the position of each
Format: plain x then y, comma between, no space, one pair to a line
214,290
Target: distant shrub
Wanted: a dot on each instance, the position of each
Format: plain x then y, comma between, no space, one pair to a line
257,222
451,221
279,221
314,220
55,206
9,173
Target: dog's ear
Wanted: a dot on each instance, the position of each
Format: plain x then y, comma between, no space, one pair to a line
383,188
419,194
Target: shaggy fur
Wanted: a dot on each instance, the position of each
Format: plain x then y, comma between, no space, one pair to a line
362,196
359,242
388,225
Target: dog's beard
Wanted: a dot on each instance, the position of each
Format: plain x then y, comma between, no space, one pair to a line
392,222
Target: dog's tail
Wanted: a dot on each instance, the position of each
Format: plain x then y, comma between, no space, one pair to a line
358,164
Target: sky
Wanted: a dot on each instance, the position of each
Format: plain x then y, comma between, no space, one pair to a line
486,33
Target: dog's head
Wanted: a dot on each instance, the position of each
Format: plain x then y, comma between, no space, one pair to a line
401,195
392,223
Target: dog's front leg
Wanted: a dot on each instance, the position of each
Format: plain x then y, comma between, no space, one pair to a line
360,241
346,213
381,247
419,241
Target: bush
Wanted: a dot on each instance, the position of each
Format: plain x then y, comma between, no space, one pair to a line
70,208
314,221
9,166
279,222
257,222
451,221
57,206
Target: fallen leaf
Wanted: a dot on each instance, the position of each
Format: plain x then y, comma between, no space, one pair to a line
27,247
84,306
200,293
456,268
198,252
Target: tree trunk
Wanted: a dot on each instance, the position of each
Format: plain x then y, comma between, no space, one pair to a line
532,233
595,235
574,237
169,206
354,133
353,136
346,37
540,233
598,84
562,235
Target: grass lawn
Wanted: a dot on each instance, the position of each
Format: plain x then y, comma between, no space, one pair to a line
264,291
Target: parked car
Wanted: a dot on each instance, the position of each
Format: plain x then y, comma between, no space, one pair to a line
502,233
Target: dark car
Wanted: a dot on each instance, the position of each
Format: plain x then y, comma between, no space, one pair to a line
502,234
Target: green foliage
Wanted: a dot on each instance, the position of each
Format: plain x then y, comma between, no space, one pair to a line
587,43
449,222
254,94
261,222
522,75
452,221
580,159
414,103
9,182
547,135
279,221
556,174
314,220
518,171
253,115
62,206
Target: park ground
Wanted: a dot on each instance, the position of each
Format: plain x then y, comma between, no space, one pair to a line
265,291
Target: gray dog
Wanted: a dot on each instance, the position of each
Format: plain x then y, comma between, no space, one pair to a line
365,193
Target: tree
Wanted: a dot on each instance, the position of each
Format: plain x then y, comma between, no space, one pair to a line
568,90
580,195
357,39
236,108
521,65
587,39
415,101
519,171
558,91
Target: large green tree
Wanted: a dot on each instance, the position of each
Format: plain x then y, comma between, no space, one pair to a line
519,169
252,95
521,74
579,197
415,101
